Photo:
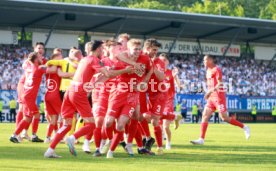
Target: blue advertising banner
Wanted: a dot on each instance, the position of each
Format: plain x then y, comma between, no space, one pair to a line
233,102
7,95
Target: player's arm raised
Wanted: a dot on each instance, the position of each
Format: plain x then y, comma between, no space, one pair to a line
175,77
123,57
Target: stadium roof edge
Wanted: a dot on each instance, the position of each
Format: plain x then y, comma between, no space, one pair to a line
130,10
90,16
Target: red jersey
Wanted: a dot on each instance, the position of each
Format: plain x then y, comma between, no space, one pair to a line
53,84
113,65
137,77
160,65
87,67
32,82
169,80
44,60
212,76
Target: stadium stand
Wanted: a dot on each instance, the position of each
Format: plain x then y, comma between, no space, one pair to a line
243,76
257,79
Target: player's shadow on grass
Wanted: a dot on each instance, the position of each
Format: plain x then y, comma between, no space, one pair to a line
202,154
227,148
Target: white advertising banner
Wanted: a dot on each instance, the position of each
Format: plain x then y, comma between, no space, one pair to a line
57,40
193,48
8,37
264,53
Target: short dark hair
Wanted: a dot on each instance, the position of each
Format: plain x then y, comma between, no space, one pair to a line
164,55
151,43
211,57
40,43
96,44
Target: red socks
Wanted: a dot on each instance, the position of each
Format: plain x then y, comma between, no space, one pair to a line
22,125
116,139
50,130
138,138
97,137
145,127
132,130
127,129
59,135
104,136
109,132
56,128
203,129
158,135
87,129
19,117
236,123
35,124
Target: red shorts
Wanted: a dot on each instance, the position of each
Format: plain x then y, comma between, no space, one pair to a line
143,102
157,103
100,107
168,112
29,107
75,101
217,102
52,103
20,90
122,103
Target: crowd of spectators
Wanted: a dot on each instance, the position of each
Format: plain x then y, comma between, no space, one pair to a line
241,76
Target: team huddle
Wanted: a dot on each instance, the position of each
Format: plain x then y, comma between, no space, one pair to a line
112,95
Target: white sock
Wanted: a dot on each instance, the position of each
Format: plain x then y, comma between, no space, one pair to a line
168,143
50,150
148,138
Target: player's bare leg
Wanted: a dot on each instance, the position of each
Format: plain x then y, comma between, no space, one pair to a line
158,133
108,128
97,134
23,124
35,124
52,119
87,129
132,130
234,122
207,113
149,141
122,121
166,127
66,127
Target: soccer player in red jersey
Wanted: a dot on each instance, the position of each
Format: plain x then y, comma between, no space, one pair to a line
76,99
157,92
52,97
20,90
168,115
39,48
216,99
124,98
33,77
101,105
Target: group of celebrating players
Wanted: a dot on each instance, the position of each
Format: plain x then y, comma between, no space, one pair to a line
115,91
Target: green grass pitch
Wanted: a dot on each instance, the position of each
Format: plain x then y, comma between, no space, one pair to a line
225,149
